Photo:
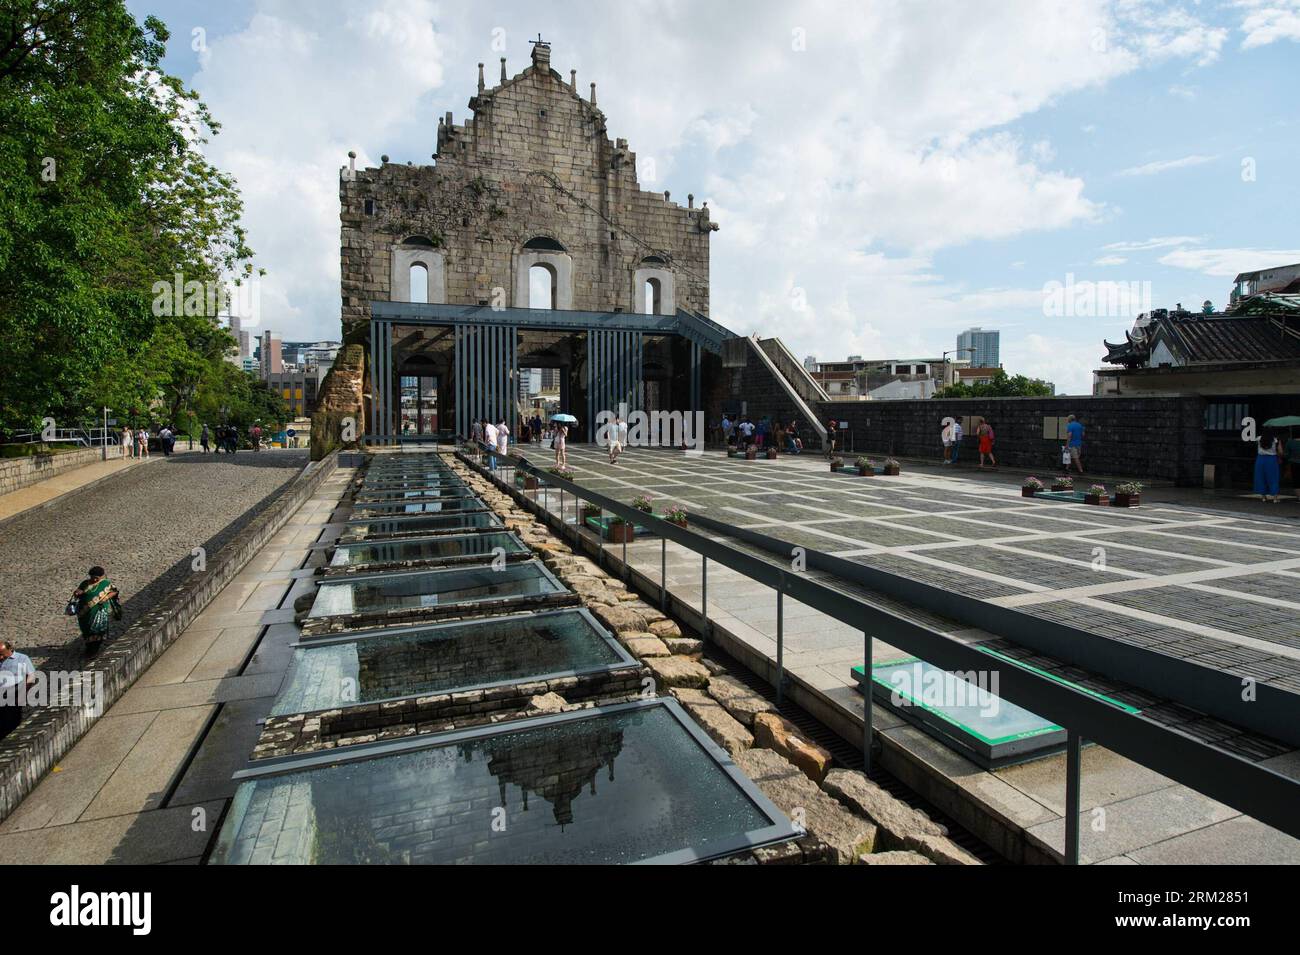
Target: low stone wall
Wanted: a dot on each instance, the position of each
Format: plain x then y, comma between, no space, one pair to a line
18,473
1157,438
48,733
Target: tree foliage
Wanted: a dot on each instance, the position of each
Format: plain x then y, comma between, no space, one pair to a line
1002,386
104,191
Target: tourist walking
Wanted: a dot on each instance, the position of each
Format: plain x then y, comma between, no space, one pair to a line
956,439
559,441
946,437
16,674
490,442
1074,443
165,439
746,429
617,439
503,437
256,434
142,443
127,442
1268,467
985,432
726,429
95,603
203,439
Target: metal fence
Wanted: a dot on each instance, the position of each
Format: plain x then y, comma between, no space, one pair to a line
1247,786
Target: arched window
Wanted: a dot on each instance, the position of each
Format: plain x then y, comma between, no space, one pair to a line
654,297
542,286
419,285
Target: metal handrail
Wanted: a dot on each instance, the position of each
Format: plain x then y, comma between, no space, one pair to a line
1249,787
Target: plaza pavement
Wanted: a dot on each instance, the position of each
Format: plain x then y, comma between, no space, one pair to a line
1211,586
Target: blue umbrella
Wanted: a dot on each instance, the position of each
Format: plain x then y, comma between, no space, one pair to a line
564,418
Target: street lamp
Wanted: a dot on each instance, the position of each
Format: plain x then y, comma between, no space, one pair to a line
951,351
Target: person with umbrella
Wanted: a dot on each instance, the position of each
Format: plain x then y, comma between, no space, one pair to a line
562,422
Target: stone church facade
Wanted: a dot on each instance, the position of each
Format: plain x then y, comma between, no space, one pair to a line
530,179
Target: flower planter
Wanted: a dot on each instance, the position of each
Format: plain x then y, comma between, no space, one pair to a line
866,472
620,533
681,523
526,481
589,510
733,453
1126,500
771,454
892,471
1096,499
1062,487
836,468
1028,491
751,455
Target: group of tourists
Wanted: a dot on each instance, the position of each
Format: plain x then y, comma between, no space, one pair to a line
743,431
951,437
225,437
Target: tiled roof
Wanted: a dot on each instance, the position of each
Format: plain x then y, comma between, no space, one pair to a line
1216,340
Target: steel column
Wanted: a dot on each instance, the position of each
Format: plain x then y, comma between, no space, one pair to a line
866,702
780,639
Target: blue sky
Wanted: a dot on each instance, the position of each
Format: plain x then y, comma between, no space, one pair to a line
884,175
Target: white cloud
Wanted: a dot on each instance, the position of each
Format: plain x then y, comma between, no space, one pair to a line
843,169
1228,262
1164,165
1156,242
1269,21
1107,260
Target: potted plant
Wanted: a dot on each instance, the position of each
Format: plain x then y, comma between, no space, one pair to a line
1063,483
771,452
619,531
892,467
837,464
751,453
589,511
526,481
565,472
1031,487
676,515
642,503
1128,494
1096,495
733,451
864,466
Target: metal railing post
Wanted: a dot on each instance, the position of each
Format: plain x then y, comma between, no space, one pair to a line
1073,772
866,702
663,573
627,574
780,640
704,596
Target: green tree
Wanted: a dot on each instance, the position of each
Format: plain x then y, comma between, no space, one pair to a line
1002,386
104,191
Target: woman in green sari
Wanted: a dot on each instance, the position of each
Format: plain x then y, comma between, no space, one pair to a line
97,605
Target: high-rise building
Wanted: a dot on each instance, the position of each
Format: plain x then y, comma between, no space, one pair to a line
272,364
981,347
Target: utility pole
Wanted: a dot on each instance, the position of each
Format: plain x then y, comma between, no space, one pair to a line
104,447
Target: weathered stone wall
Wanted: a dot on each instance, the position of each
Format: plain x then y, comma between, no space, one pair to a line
753,390
18,473
533,160
1157,438
342,395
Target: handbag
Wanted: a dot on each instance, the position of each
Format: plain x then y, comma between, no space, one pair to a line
1065,454
115,605
70,608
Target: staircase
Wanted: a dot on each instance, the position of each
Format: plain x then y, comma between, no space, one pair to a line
793,370
798,400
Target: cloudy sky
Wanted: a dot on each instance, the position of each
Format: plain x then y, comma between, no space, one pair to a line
885,174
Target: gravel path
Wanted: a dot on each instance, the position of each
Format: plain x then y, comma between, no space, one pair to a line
142,526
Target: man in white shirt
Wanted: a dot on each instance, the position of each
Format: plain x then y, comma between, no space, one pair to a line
503,437
746,429
16,673
490,439
956,440
617,439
